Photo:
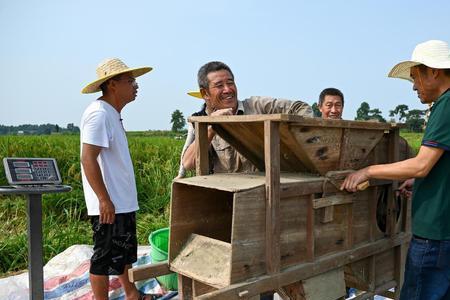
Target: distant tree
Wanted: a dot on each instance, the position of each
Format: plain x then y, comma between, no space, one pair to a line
400,110
178,121
415,120
316,111
57,128
362,113
375,114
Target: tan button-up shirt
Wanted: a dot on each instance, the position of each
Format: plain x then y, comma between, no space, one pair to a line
224,158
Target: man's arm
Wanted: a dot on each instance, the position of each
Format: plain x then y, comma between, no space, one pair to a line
269,105
188,159
416,167
94,177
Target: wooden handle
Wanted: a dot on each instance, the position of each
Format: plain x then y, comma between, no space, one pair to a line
363,185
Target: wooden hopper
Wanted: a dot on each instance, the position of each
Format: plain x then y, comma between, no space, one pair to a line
288,228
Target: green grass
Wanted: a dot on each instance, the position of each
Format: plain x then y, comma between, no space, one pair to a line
65,221
414,139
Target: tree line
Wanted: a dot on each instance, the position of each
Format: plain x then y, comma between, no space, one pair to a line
29,129
414,119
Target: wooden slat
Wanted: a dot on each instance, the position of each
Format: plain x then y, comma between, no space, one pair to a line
149,271
331,200
202,144
399,268
303,271
272,162
393,155
244,140
200,288
315,122
349,237
185,290
310,229
327,214
326,286
248,235
206,260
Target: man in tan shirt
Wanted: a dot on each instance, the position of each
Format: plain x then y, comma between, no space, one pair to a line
218,89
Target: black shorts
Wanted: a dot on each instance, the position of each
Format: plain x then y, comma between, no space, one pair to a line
115,245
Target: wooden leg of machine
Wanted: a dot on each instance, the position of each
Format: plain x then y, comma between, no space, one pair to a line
400,259
201,288
185,290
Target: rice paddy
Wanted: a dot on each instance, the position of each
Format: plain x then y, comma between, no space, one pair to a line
65,220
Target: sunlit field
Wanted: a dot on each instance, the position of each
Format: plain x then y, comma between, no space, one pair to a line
65,222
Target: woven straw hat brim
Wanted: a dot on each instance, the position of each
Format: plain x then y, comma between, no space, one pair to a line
94,86
195,94
402,70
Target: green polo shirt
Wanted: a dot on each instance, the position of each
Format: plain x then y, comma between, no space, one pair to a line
431,195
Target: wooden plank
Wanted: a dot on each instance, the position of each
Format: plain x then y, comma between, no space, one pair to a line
321,146
201,151
326,286
393,155
198,210
349,238
330,236
149,271
185,290
357,144
315,122
372,273
385,266
244,140
399,271
294,154
205,260
303,271
328,214
248,235
272,162
200,288
331,200
310,229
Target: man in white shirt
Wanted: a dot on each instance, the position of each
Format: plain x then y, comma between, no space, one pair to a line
108,177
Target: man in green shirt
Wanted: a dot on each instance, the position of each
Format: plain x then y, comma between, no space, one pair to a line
427,272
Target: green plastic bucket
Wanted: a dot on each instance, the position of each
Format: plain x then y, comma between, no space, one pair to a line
159,240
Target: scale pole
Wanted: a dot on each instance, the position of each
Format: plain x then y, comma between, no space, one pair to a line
35,252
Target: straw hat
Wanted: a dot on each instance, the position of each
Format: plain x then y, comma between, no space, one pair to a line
110,68
195,94
434,54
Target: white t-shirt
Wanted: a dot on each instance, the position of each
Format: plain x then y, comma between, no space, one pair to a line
101,126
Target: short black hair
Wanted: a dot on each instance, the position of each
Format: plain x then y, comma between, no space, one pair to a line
207,68
330,92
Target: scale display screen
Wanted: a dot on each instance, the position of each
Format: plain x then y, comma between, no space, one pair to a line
31,170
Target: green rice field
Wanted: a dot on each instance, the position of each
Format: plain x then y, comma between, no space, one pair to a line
65,220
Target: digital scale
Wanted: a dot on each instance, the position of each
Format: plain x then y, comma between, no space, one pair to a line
31,171
33,177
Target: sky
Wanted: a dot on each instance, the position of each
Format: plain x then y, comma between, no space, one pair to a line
49,51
